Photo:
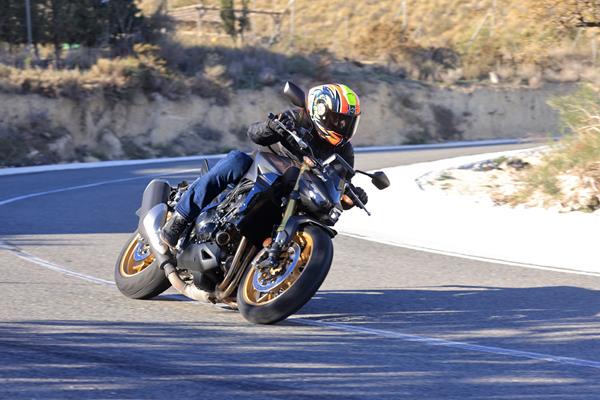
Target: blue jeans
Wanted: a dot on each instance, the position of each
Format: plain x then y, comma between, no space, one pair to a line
204,189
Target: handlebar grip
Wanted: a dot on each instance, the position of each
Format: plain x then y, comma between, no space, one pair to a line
352,194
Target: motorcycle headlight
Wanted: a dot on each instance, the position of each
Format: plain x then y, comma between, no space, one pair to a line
314,199
318,198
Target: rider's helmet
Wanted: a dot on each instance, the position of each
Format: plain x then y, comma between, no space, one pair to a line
335,111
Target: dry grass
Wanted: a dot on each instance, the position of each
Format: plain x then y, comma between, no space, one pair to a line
440,41
169,68
570,173
146,70
485,39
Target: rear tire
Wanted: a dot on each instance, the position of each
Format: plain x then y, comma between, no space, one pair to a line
148,282
301,290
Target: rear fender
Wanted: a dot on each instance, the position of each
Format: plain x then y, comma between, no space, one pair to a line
157,192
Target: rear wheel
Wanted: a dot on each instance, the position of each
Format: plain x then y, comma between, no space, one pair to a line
137,273
267,297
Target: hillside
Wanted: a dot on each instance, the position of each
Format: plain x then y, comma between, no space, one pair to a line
520,41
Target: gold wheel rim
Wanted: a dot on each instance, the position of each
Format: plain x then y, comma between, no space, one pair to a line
128,265
254,297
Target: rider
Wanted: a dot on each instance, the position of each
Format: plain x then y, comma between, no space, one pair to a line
330,120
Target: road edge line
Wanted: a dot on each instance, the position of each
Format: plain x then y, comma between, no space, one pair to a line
469,257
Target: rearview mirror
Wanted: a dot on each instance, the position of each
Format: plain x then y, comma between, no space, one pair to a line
380,180
294,94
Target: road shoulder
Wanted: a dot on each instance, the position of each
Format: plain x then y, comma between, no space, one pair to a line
408,215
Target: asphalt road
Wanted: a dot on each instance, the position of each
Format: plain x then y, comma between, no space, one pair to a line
388,323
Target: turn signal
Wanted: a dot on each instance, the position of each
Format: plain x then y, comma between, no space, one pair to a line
347,201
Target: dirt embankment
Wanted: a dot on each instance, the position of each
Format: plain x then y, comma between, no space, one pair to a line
38,130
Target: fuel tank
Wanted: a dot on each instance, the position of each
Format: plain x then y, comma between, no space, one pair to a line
266,163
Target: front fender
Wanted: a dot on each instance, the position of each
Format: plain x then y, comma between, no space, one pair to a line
296,221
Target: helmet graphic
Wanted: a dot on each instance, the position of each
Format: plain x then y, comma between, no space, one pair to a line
335,111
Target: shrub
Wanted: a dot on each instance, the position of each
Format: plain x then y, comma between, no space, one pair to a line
578,153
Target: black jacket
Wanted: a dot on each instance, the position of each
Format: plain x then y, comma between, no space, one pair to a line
260,134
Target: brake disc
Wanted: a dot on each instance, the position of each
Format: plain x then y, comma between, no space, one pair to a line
263,285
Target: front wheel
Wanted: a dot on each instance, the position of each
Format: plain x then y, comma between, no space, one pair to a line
267,297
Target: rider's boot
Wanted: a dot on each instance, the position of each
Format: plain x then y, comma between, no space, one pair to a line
173,229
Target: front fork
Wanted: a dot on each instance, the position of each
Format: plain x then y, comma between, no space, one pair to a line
281,237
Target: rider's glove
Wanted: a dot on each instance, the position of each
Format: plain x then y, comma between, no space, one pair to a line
275,128
286,119
362,195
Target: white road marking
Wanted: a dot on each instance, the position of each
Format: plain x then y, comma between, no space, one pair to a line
468,257
90,185
447,343
38,194
23,255
101,164
429,341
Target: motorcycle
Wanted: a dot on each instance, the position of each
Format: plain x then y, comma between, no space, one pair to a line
263,246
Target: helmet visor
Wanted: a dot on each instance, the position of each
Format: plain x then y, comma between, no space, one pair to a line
343,125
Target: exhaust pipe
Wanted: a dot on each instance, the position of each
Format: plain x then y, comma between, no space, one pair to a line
188,290
153,213
150,226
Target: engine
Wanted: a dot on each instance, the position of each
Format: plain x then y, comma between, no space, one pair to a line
213,242
217,225
206,225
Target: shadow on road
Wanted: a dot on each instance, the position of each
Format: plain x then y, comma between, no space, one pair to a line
559,320
115,359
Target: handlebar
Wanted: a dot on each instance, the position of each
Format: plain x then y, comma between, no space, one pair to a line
305,147
301,143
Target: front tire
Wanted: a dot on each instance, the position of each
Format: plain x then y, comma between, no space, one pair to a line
299,286
137,273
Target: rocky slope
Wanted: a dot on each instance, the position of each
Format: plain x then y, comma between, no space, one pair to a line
39,130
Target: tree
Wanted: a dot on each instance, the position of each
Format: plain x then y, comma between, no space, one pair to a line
12,22
244,19
228,17
90,23
126,22
233,25
59,27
